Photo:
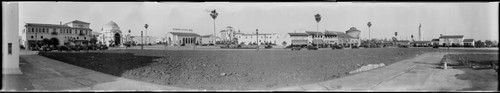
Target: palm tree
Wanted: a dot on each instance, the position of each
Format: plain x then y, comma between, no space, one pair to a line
214,15
318,18
411,37
369,37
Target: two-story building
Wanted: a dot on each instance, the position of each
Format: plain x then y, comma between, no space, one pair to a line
263,38
58,34
350,37
300,38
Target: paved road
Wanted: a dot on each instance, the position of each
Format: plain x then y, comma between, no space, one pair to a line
416,74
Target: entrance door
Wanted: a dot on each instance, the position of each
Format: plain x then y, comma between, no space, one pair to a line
117,39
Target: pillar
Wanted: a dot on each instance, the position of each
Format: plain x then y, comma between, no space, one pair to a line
10,39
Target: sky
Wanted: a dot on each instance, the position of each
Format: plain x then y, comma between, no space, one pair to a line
473,20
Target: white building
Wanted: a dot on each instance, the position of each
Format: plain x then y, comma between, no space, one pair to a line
263,38
78,31
187,38
227,34
350,37
451,40
110,34
139,40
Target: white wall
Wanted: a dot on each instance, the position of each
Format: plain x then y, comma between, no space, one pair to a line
10,34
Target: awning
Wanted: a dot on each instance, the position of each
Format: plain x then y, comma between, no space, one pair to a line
299,42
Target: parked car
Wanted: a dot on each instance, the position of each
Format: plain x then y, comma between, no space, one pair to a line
310,47
296,48
268,47
435,46
102,47
45,48
336,47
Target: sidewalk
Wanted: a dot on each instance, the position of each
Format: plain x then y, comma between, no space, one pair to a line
47,74
416,74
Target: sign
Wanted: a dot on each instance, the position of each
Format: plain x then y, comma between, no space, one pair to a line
179,29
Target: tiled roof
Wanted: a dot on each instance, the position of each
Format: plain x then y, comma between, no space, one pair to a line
46,25
184,34
421,42
452,36
435,40
330,33
342,35
314,32
298,34
468,40
78,21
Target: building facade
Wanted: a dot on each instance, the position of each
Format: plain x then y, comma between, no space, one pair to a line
468,43
179,38
260,39
451,40
77,31
227,34
350,37
111,34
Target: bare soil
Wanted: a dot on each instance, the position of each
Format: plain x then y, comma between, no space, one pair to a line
233,69
481,79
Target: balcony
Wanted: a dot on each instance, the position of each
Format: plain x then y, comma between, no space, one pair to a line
54,33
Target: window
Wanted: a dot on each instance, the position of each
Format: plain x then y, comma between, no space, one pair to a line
41,37
77,38
85,38
31,37
32,29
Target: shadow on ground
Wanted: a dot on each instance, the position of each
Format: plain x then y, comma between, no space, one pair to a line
110,63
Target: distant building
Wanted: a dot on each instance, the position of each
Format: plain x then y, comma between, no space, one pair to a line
421,43
435,41
269,38
137,39
78,31
451,40
227,34
187,38
299,38
351,37
111,34
208,39
468,42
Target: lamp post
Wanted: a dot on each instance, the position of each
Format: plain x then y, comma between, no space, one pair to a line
146,26
214,15
257,33
142,44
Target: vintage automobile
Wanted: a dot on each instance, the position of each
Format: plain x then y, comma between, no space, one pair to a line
336,47
310,47
296,48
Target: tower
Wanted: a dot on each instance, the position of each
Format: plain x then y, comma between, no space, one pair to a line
419,32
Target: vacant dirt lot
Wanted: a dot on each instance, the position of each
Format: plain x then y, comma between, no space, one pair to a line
481,79
233,69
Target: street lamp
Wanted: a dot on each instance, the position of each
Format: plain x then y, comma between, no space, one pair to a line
214,15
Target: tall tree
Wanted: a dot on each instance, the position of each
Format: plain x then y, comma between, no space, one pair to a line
214,15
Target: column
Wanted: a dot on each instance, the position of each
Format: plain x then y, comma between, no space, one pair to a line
10,57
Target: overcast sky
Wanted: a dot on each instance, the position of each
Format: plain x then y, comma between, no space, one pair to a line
474,20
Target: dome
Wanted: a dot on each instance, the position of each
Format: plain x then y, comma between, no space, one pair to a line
111,24
112,27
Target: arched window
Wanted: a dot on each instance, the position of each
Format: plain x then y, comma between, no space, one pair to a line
41,37
77,38
31,37
85,38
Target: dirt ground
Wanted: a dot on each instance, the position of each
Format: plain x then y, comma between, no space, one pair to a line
481,79
234,69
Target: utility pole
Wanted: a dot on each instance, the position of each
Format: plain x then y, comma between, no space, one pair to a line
257,32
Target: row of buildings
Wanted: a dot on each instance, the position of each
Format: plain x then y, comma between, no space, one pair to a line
78,32
350,37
